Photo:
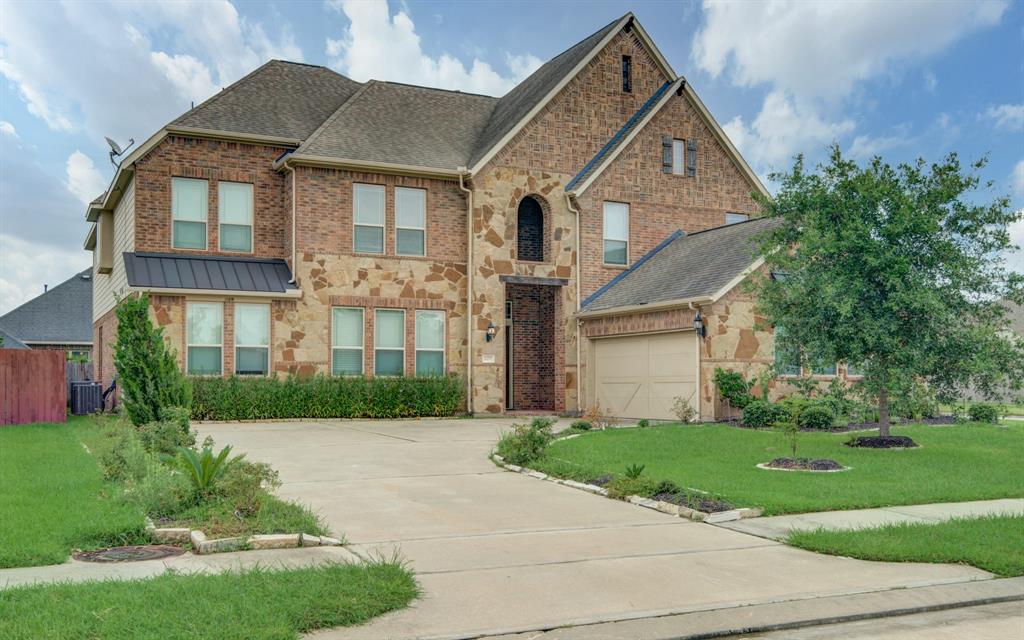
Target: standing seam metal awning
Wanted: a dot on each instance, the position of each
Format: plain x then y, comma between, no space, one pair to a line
210,273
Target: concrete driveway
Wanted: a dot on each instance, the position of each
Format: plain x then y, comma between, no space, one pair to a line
498,552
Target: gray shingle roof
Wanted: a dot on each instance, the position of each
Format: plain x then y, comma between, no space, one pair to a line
9,341
403,124
518,102
62,314
283,99
174,271
684,266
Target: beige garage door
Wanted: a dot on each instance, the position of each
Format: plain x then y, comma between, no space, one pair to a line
641,376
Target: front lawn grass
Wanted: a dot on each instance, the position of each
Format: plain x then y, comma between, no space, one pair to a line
53,497
954,463
253,604
992,543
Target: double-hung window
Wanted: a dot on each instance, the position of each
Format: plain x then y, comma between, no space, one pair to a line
823,368
188,213
368,214
234,211
252,339
389,342
787,360
616,233
410,221
430,343
679,157
205,339
346,341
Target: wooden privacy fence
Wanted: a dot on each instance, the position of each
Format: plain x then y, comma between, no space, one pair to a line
78,372
33,387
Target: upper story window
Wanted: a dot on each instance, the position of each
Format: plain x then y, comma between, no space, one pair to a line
234,213
616,233
733,218
368,217
205,338
389,342
346,341
627,74
410,222
530,230
429,343
188,212
679,156
252,339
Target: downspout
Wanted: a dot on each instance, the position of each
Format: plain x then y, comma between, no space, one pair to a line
579,302
700,345
463,172
295,240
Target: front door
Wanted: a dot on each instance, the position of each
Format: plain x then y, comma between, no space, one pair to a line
530,347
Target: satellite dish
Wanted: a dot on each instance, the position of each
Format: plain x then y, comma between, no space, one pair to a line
116,150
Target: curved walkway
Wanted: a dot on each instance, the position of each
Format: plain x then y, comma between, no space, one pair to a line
499,552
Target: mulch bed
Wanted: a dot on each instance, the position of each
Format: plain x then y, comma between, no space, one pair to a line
132,553
707,505
805,464
855,426
883,442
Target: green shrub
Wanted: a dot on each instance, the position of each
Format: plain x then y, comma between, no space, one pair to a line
733,388
622,487
161,492
246,484
147,370
121,454
667,486
635,470
325,397
816,416
172,432
913,400
204,469
984,412
760,414
643,424
526,442
581,425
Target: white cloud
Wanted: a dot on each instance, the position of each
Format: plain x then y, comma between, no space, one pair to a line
1006,116
188,75
26,266
865,146
84,181
930,81
7,129
1017,179
820,50
373,31
1015,258
781,130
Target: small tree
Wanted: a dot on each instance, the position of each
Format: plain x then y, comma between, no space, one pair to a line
147,370
895,270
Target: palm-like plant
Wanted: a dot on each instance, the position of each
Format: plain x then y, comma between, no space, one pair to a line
204,468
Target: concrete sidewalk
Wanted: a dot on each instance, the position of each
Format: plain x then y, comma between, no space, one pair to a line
75,571
779,527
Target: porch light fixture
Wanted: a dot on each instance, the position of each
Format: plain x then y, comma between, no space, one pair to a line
491,331
698,325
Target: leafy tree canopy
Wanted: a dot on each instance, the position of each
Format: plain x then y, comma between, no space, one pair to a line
896,270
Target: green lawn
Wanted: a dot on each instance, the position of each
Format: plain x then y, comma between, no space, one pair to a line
53,498
268,605
954,463
995,544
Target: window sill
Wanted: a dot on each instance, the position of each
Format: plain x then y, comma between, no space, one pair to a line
621,267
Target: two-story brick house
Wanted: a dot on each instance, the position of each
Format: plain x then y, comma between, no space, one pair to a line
300,222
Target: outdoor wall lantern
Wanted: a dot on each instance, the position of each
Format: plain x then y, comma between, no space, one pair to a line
698,325
491,331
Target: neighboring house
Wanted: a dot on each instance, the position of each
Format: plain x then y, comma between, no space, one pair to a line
300,222
60,318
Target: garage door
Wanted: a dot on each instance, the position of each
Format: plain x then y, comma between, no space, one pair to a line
641,376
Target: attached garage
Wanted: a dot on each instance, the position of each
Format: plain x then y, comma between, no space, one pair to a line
641,376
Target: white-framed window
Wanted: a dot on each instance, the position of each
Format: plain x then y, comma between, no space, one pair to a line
430,343
678,157
252,339
389,342
410,221
616,233
368,217
234,214
823,369
346,341
188,213
733,218
205,338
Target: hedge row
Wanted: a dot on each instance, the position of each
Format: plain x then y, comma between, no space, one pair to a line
325,397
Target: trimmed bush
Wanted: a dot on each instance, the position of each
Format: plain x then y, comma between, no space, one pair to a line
169,433
816,416
526,442
325,397
581,425
760,414
982,412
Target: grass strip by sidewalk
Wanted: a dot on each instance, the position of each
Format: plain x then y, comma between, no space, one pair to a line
955,463
247,605
992,543
53,497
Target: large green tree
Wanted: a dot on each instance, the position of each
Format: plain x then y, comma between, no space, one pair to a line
897,270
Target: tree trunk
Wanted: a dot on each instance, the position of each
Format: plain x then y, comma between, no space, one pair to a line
883,411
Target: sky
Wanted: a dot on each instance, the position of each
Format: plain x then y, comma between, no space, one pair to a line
898,79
